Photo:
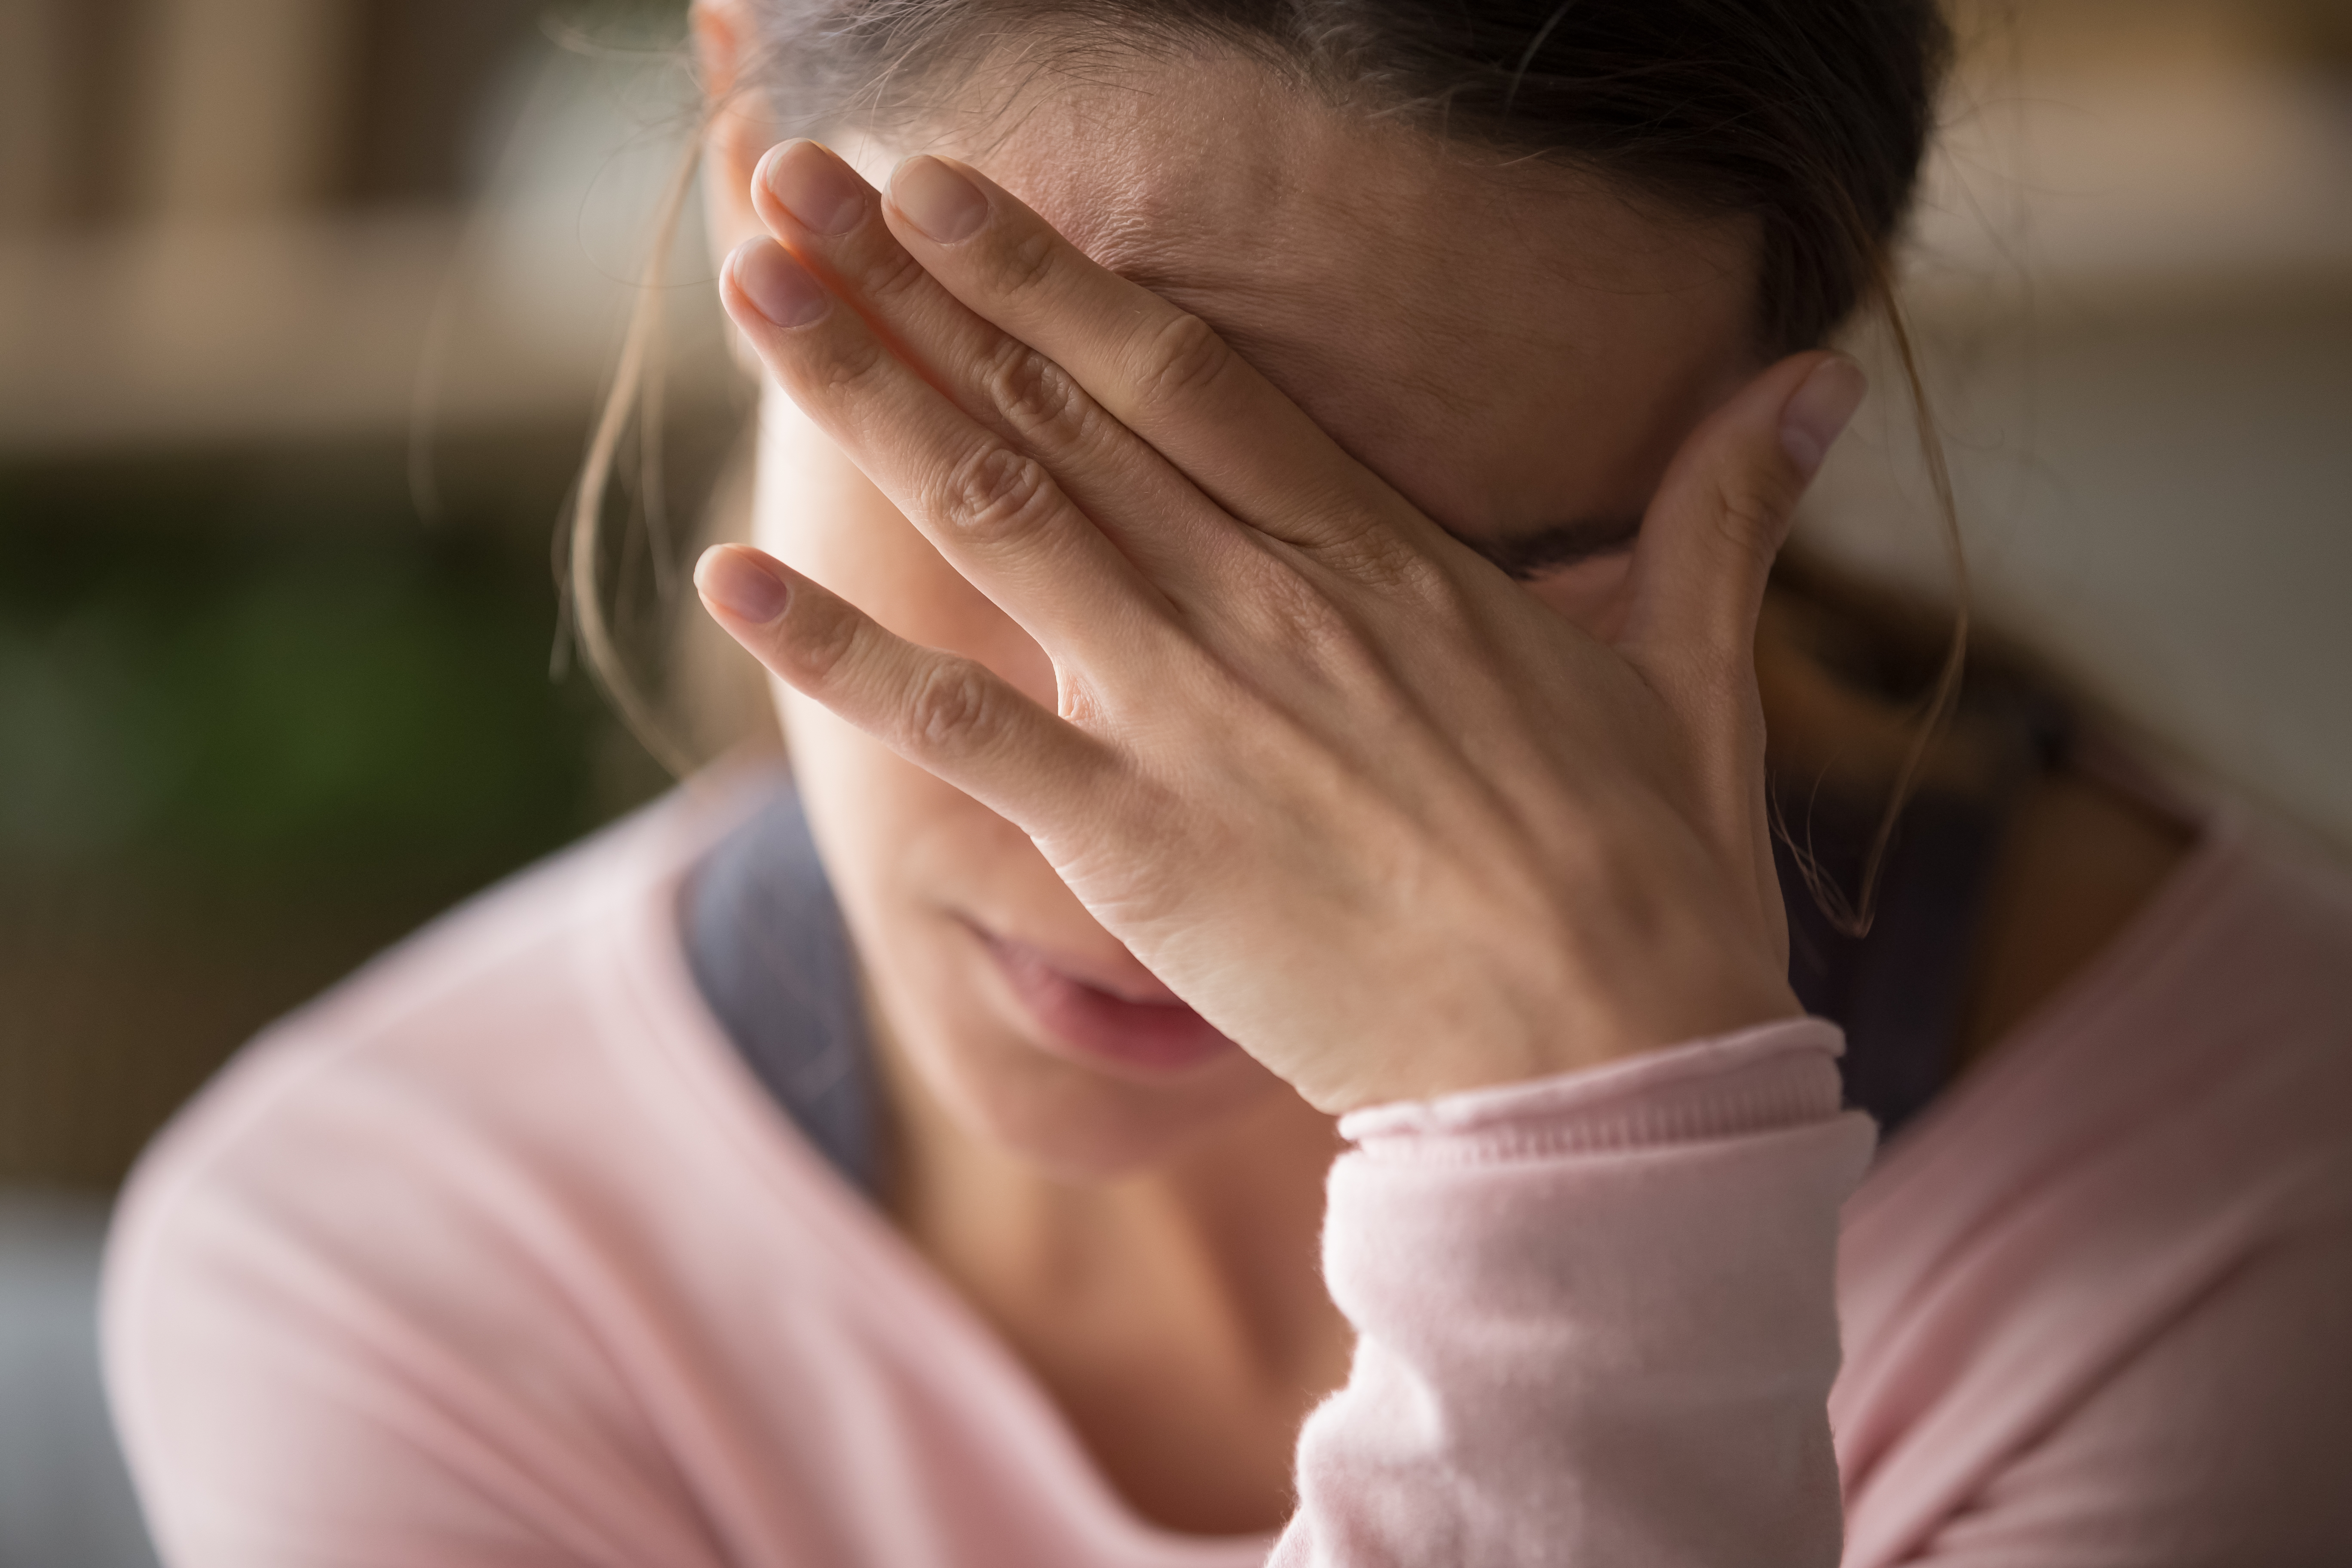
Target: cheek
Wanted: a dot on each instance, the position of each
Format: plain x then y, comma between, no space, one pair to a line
814,510
818,513
1594,594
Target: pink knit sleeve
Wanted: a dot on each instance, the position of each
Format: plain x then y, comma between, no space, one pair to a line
1596,1317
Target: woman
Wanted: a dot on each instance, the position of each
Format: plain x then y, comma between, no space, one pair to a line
1263,526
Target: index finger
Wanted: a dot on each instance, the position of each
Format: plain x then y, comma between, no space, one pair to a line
1160,371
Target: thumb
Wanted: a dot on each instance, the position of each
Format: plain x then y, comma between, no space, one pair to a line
1718,518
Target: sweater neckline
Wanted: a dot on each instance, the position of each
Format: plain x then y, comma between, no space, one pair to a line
2043,1089
662,1032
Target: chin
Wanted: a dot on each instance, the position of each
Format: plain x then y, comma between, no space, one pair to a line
1092,1133
1005,1081
1002,1007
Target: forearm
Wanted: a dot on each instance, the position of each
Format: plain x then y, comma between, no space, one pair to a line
1596,1317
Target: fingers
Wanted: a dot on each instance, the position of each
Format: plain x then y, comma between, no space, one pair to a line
991,509
1722,513
830,219
949,715
1161,372
1707,547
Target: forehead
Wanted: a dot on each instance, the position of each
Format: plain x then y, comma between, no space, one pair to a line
1510,343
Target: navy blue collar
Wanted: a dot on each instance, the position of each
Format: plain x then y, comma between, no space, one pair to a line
1900,991
765,941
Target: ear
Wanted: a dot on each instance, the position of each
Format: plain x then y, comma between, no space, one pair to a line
739,128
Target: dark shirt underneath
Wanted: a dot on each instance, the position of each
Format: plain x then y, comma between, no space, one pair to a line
765,943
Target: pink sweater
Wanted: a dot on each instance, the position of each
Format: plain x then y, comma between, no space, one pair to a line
498,1256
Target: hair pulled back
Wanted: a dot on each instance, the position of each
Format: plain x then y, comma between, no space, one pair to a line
1808,117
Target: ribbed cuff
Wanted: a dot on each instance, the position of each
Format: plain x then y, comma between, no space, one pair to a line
1776,1074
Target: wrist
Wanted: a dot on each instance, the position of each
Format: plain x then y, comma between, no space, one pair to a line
1569,1032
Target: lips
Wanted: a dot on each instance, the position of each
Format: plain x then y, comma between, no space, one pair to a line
1154,1034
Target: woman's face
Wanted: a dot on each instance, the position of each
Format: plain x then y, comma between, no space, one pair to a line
1517,350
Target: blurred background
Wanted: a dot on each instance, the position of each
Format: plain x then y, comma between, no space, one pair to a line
305,309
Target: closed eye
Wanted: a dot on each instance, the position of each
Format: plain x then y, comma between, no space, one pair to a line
1526,557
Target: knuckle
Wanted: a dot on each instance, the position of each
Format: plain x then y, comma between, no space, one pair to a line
1299,613
1076,701
998,494
848,363
1750,515
950,706
1378,558
1183,361
890,274
1024,263
1039,400
1441,596
824,640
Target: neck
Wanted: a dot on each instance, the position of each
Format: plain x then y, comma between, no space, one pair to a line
1176,1315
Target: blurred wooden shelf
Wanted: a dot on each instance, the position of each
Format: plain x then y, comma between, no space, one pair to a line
282,331
2146,191
2143,191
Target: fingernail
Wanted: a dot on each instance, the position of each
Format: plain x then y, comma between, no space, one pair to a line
936,199
820,190
741,584
1820,410
778,287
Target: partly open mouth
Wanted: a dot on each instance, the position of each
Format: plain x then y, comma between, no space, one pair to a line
1153,1035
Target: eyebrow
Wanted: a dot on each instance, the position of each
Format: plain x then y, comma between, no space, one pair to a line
1526,555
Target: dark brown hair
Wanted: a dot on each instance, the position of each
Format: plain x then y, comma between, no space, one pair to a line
1810,117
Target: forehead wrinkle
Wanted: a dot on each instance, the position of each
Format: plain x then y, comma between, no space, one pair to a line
1236,218
1508,348
1107,144
1432,341
1409,396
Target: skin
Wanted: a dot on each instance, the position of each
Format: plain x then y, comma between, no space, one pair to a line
1150,708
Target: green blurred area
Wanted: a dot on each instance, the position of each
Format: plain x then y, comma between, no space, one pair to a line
257,720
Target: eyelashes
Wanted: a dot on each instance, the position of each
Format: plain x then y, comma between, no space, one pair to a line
1526,557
